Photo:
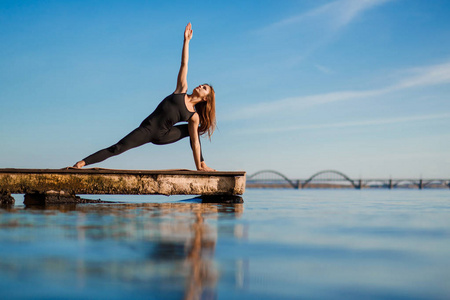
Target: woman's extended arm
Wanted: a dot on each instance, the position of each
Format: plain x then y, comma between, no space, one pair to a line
182,85
195,143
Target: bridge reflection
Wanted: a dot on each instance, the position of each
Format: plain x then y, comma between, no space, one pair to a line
336,179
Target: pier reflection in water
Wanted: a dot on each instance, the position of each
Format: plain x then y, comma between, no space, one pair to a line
161,250
286,244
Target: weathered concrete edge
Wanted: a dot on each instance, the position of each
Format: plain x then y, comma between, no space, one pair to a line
151,182
117,171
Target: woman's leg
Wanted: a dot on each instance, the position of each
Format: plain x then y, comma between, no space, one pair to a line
177,133
134,139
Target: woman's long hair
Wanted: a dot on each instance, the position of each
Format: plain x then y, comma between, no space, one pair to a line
207,113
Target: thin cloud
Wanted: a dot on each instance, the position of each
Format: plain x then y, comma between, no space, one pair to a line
422,77
323,69
376,122
437,74
336,15
318,26
347,10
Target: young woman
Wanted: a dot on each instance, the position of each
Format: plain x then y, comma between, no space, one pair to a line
159,128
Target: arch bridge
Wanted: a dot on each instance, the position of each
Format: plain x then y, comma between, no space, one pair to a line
336,179
265,178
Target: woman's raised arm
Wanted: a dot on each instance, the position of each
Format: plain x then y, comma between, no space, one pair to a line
182,85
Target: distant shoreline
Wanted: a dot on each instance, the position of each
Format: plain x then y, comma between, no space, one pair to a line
338,186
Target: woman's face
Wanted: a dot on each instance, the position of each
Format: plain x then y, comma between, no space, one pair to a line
203,91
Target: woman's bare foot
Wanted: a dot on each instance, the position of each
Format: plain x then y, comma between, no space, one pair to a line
79,164
205,168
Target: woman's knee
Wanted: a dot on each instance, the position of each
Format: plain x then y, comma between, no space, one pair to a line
116,149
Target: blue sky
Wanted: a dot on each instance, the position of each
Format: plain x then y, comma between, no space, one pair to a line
358,86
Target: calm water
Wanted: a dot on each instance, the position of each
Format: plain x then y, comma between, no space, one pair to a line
279,244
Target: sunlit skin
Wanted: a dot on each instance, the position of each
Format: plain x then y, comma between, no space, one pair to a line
199,94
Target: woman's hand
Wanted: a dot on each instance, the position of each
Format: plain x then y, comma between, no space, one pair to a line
79,164
205,168
188,32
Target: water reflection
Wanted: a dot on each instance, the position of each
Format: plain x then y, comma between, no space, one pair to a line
165,248
287,245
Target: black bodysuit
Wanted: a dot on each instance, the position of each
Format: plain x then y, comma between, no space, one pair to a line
158,128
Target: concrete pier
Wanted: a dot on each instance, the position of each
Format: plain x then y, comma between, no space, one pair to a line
59,185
